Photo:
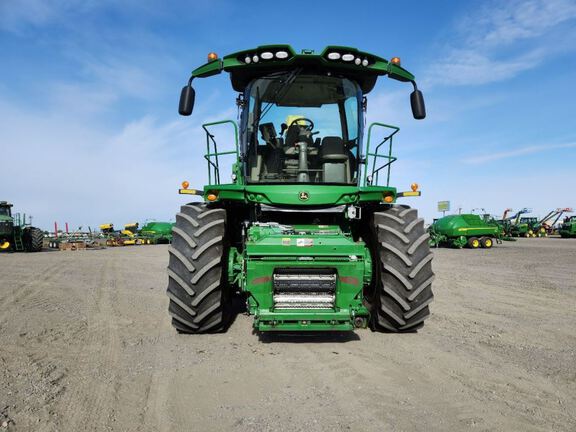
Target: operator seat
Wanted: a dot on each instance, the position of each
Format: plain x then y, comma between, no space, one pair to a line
335,160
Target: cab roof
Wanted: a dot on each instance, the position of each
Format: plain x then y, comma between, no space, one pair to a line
247,65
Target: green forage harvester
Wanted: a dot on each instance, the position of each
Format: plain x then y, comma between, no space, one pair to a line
308,230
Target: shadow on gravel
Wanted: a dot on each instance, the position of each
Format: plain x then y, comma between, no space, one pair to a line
308,337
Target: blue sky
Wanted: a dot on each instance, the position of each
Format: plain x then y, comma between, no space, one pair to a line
89,131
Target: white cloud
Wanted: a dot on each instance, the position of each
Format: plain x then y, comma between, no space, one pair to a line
68,167
15,16
491,157
481,50
504,23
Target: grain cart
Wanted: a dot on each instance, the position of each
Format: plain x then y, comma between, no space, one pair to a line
16,234
464,230
568,227
308,229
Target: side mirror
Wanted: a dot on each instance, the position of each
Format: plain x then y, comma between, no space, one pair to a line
417,103
187,97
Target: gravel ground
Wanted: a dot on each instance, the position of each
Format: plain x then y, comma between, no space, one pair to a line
86,344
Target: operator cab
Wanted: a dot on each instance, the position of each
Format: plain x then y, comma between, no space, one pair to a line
5,209
302,128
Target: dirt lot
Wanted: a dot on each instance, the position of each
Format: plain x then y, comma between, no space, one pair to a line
86,344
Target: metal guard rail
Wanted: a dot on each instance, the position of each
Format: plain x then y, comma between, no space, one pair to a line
211,156
374,176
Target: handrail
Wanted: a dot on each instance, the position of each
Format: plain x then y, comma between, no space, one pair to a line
213,165
391,159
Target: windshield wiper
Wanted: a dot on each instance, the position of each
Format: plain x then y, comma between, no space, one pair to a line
285,86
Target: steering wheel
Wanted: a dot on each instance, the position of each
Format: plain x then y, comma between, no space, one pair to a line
308,127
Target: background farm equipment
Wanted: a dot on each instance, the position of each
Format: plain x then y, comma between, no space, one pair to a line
153,232
528,227
157,232
518,226
461,230
16,232
568,227
549,223
114,237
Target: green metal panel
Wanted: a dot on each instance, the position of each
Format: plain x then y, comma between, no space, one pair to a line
290,194
270,247
378,66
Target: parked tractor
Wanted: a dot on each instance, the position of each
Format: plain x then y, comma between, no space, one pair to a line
16,233
527,227
305,231
462,230
568,227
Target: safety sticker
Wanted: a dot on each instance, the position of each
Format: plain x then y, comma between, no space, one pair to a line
286,241
304,242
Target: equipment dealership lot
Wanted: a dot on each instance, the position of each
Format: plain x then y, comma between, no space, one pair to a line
86,344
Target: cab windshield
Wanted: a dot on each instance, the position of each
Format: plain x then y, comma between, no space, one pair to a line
4,211
302,128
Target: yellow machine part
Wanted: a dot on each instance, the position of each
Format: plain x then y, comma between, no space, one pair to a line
106,226
4,245
129,242
291,118
127,233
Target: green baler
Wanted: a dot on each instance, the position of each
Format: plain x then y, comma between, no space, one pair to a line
308,231
464,230
568,228
157,232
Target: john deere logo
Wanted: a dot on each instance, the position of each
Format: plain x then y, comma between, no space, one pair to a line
303,196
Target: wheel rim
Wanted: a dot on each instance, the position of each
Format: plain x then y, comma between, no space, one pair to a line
488,243
475,243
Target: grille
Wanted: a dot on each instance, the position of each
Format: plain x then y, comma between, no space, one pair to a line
304,288
6,228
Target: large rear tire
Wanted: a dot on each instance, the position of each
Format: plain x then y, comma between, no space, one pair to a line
33,239
197,285
403,273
